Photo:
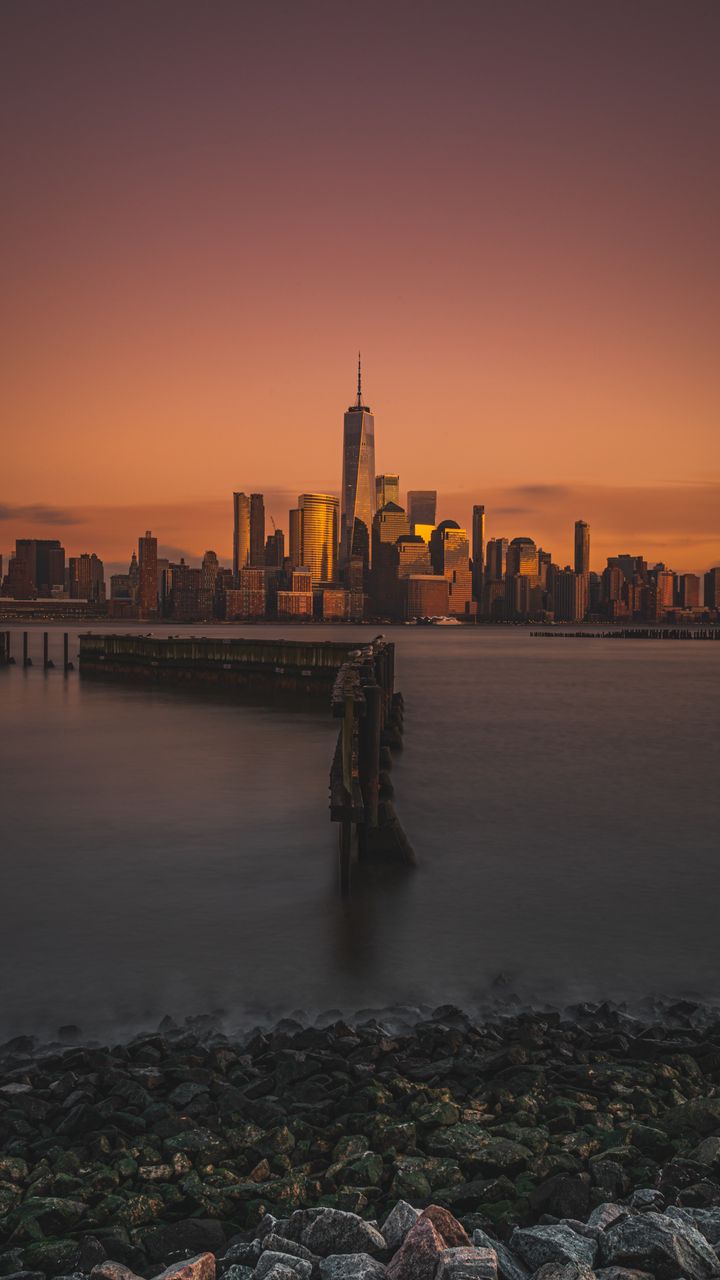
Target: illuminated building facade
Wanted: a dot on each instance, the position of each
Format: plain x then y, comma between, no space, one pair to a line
335,602
319,535
450,555
387,489
425,596
241,532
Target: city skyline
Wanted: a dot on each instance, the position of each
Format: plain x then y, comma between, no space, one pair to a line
361,557
180,326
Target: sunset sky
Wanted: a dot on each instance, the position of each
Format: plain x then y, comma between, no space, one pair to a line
512,208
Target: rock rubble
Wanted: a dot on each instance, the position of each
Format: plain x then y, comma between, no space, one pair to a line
558,1145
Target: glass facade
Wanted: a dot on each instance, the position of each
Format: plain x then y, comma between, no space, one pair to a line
319,535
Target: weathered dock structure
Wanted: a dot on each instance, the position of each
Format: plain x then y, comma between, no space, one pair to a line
262,667
358,684
371,729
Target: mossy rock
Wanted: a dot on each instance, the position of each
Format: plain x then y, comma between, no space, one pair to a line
53,1257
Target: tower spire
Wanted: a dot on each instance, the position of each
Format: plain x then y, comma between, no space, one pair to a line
359,399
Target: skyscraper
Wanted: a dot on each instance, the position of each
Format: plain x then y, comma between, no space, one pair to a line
496,557
86,578
241,533
387,489
257,529
319,535
43,561
582,547
294,529
478,550
712,589
450,554
148,591
421,506
358,480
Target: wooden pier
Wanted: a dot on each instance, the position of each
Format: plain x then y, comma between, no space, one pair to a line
267,668
358,683
371,729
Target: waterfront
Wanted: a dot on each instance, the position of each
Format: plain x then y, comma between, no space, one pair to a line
166,852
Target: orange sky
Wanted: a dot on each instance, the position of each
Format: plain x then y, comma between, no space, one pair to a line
511,207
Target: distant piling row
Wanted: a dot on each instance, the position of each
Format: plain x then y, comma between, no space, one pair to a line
638,633
7,658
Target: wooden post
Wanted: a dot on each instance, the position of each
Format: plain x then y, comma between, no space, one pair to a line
66,663
46,642
27,661
370,729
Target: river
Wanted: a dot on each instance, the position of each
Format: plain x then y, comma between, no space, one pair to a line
172,853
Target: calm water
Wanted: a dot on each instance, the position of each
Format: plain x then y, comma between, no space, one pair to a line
167,853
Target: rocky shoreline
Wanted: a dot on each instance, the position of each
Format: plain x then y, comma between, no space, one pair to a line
438,1148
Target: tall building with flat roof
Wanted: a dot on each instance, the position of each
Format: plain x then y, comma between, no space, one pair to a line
422,507
294,531
241,533
43,561
148,588
257,530
712,589
582,547
688,586
87,578
424,595
570,593
319,535
387,489
478,549
495,559
358,480
450,554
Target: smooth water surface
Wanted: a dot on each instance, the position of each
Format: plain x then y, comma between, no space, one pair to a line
171,852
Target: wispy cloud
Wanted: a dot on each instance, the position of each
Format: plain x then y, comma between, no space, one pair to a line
37,513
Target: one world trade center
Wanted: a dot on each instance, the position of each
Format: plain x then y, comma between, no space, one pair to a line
357,504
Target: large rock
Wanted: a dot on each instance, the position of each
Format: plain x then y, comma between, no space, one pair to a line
397,1224
452,1232
351,1266
112,1271
701,1115
606,1215
419,1254
662,1245
301,1267
557,1243
335,1231
508,1266
467,1263
281,1244
707,1221
200,1268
